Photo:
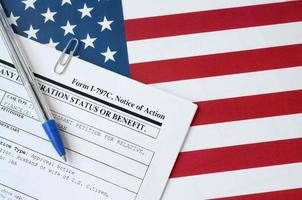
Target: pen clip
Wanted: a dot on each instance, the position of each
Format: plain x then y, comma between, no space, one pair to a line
63,63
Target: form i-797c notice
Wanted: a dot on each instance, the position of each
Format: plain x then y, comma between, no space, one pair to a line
121,137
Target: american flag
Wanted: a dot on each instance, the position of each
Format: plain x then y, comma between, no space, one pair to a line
240,61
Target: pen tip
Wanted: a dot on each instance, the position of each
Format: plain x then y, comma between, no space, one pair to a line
64,158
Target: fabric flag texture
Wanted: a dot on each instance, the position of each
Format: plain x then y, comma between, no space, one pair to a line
240,61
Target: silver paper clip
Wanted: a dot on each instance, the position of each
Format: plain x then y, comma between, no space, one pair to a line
63,63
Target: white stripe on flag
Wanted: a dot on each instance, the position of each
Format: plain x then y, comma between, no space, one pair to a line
235,85
235,183
139,9
243,132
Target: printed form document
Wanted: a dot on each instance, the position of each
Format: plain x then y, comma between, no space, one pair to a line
121,137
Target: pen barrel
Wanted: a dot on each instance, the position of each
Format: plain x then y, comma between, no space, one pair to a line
39,102
23,67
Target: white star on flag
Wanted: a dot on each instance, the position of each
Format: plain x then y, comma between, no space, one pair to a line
109,55
29,4
48,15
65,1
85,11
68,28
52,43
31,33
88,41
13,19
106,24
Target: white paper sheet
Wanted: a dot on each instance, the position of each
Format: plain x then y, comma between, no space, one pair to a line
121,137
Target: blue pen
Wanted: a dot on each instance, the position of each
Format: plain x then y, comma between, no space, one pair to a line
22,65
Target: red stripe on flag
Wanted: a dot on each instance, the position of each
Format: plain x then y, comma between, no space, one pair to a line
294,194
238,157
205,21
218,64
248,107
